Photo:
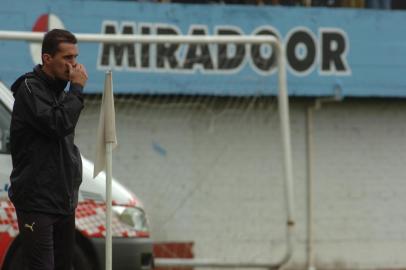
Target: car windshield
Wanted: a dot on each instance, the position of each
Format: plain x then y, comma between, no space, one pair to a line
5,118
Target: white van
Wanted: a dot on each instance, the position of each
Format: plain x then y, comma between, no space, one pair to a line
132,246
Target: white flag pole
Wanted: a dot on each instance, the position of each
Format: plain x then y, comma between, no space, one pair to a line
109,239
111,142
106,142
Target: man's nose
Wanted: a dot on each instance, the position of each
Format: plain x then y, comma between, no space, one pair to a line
72,61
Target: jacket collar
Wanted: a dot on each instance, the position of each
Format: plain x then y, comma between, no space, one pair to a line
56,85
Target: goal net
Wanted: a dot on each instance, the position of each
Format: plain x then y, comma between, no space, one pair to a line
208,169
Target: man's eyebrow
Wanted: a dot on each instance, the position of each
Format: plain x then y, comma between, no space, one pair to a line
69,55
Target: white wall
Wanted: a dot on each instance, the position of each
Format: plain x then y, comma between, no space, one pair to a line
215,177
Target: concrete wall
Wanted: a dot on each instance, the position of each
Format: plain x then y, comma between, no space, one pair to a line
212,173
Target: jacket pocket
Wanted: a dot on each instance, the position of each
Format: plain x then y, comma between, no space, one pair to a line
22,178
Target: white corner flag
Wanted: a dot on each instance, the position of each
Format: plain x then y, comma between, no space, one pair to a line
106,141
106,132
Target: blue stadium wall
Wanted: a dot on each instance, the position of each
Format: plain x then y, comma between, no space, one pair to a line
328,51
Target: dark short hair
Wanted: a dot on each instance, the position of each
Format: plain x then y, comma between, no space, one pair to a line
53,38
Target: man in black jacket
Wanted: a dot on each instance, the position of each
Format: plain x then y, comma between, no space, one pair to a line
47,167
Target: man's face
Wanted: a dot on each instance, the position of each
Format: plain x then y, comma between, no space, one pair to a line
58,64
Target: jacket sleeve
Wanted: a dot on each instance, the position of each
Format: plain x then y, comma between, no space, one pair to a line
51,117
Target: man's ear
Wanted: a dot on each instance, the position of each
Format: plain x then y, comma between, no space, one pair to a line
46,58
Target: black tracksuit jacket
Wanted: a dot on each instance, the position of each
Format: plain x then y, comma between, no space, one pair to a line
47,167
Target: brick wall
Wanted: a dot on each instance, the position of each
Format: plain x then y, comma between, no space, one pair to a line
214,177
